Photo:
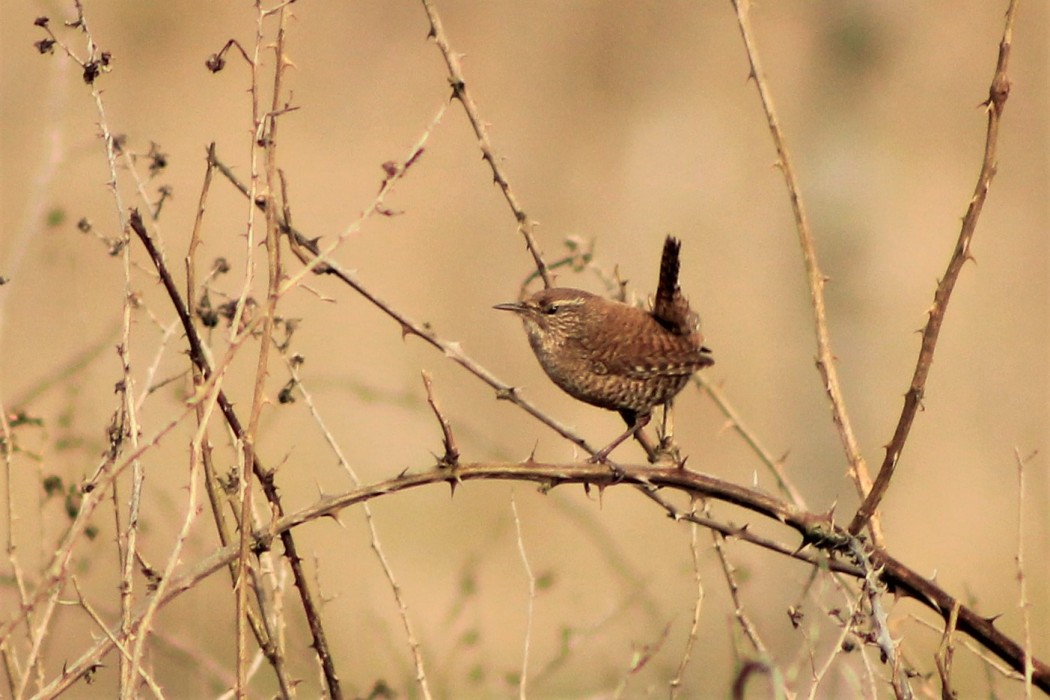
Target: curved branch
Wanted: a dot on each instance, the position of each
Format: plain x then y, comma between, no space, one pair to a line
817,530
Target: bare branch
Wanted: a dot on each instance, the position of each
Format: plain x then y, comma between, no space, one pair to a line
1024,603
997,94
814,275
264,476
895,575
694,627
460,92
523,681
451,456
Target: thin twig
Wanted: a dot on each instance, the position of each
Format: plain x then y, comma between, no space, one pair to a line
373,533
523,681
16,676
837,649
246,439
313,258
1024,604
776,466
639,659
994,665
945,655
93,614
873,587
742,618
451,456
815,277
466,98
317,261
192,510
694,627
148,385
199,357
127,537
997,95
260,621
97,62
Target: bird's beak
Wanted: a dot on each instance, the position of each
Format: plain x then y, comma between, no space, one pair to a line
511,306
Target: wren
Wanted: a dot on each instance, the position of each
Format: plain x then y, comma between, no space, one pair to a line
613,355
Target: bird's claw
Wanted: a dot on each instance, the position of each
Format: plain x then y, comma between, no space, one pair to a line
601,457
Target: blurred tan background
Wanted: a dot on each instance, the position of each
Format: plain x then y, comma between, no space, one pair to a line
618,124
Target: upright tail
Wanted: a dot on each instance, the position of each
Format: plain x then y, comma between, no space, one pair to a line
671,308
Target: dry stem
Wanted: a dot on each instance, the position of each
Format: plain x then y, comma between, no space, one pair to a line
814,275
997,94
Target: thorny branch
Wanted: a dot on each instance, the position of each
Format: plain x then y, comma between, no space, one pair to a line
264,476
451,455
311,254
460,92
816,530
814,275
997,94
897,577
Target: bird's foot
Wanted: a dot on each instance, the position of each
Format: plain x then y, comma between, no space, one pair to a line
602,457
667,454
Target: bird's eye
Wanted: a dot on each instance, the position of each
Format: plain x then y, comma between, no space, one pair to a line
550,309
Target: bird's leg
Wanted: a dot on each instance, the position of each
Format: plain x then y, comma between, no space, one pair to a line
635,422
652,452
666,430
667,447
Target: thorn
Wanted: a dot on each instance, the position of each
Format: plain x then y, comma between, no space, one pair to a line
507,394
414,157
532,454
457,89
453,350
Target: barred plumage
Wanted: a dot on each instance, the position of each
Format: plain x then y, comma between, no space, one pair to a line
613,355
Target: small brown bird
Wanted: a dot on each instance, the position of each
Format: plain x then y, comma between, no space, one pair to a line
614,355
